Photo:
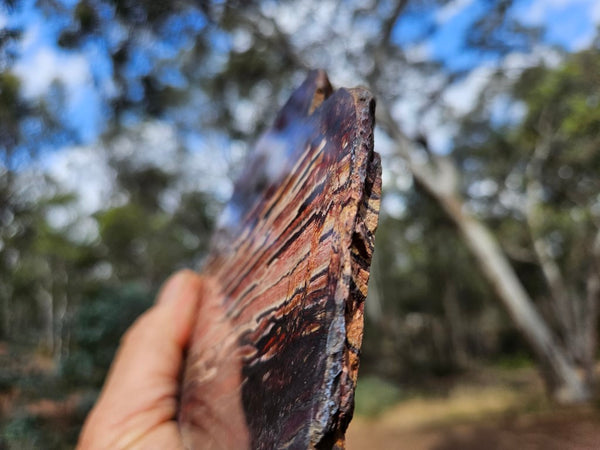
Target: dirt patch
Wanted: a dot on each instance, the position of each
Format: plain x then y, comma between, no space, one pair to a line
572,429
499,410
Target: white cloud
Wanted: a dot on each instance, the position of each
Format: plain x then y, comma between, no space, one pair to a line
596,13
440,137
81,171
483,188
419,53
32,36
151,144
515,63
44,66
84,171
242,40
394,205
384,145
40,63
3,20
534,15
504,110
463,95
537,12
208,167
205,168
583,41
290,17
451,9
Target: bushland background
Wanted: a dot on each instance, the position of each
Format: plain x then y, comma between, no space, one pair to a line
124,122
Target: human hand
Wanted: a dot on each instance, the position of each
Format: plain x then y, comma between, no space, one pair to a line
138,404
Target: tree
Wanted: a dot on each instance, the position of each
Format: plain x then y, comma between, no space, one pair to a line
546,165
203,67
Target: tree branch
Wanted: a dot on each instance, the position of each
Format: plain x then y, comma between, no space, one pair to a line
592,302
562,298
560,373
388,26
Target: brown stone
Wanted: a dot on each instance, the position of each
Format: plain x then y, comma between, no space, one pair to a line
275,352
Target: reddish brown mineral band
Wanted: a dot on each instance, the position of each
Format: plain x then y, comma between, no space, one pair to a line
274,356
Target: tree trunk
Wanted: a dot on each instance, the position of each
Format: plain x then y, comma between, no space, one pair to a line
591,319
6,312
561,376
61,293
438,177
456,326
575,316
46,302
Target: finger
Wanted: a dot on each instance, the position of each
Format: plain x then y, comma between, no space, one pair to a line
141,390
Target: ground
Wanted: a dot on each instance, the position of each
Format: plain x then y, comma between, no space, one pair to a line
487,408
561,430
496,409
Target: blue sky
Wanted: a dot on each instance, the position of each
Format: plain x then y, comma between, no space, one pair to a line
41,62
86,74
570,24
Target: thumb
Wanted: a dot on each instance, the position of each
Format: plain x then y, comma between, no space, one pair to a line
142,386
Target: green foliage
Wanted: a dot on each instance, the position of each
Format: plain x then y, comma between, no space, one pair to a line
563,113
438,311
373,395
565,97
22,433
544,205
12,110
97,328
514,361
193,64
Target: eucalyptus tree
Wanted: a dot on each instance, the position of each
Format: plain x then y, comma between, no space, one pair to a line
215,70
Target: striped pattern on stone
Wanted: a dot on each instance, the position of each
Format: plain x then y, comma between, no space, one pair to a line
275,352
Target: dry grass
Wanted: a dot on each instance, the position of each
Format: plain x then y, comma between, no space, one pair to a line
495,409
